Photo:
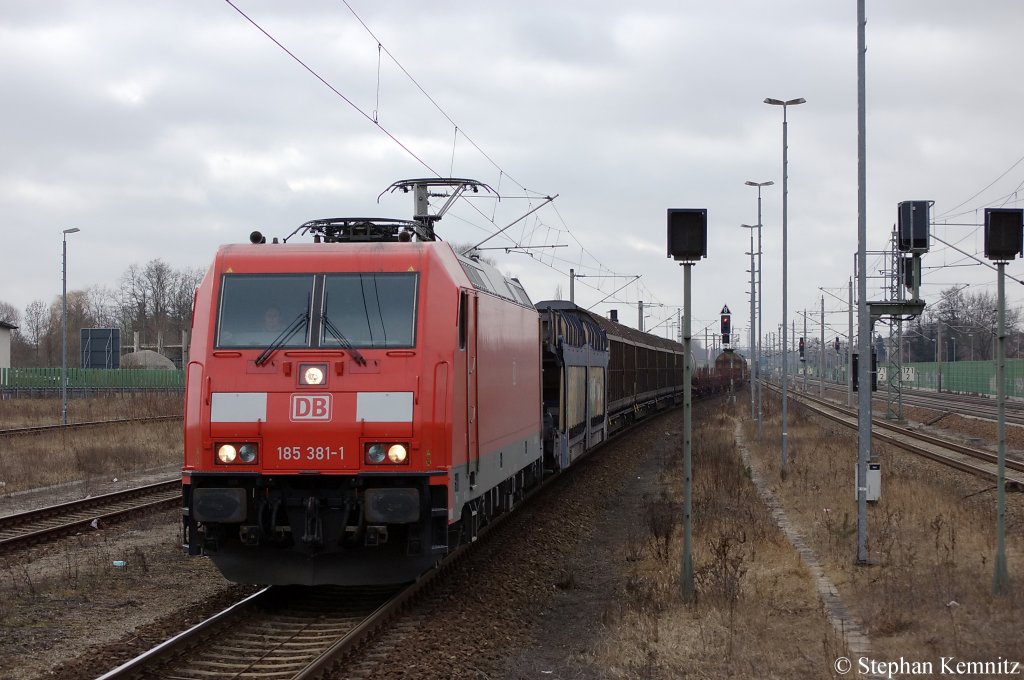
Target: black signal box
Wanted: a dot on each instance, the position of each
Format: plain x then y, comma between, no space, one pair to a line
874,371
912,226
687,233
907,271
1004,233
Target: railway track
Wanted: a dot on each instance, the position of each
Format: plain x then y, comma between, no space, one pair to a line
291,632
946,403
967,459
40,429
296,633
299,632
963,404
47,523
279,632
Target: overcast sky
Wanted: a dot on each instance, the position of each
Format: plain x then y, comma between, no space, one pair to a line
163,129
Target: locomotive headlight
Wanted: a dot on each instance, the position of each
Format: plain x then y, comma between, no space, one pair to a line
375,454
235,453
227,453
312,374
397,453
247,452
387,452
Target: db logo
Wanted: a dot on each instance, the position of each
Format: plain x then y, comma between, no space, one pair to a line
311,407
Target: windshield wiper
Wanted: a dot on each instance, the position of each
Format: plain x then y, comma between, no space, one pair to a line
300,321
343,341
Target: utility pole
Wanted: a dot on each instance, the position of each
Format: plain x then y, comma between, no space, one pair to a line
753,329
849,350
760,316
864,320
803,359
821,352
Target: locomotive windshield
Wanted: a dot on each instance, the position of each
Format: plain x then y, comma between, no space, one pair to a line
256,309
370,310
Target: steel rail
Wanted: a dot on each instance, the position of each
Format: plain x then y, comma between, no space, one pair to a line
979,454
46,523
905,439
39,429
964,405
183,658
344,644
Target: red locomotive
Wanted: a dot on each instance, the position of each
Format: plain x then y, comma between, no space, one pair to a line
359,405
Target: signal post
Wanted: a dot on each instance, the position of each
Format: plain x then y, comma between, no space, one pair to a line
688,243
1004,240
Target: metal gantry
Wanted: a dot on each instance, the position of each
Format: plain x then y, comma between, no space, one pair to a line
894,358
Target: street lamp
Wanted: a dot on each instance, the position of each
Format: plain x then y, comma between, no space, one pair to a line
64,327
785,217
757,373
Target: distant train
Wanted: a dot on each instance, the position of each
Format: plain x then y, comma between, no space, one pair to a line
358,406
731,367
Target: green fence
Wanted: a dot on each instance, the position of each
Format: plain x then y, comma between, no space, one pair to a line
92,378
965,377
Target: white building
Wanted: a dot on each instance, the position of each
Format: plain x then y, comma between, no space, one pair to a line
5,344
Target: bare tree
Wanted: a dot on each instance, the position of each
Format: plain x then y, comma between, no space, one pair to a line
158,278
10,314
101,307
133,301
182,295
965,323
34,330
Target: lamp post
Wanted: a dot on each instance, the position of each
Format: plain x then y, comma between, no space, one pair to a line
757,372
785,218
64,326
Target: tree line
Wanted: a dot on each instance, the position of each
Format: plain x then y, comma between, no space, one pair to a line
154,300
961,326
958,326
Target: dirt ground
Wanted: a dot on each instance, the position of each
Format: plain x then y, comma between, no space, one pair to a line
586,586
604,601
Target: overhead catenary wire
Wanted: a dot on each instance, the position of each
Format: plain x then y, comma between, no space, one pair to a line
429,98
375,119
333,89
948,214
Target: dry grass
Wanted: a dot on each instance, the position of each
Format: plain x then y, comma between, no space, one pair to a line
931,539
102,452
757,613
31,412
